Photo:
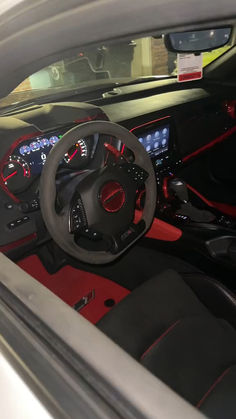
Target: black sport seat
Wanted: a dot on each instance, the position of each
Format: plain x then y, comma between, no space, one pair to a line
166,327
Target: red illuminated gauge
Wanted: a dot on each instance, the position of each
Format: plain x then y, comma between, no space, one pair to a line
16,174
77,154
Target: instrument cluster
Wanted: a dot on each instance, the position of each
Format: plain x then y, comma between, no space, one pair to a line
28,157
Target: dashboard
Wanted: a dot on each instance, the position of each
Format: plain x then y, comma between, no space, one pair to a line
25,160
170,126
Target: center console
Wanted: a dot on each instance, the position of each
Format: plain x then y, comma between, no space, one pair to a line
206,228
158,137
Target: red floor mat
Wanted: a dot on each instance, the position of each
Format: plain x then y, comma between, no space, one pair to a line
72,284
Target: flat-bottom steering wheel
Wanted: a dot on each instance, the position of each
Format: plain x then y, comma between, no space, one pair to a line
100,205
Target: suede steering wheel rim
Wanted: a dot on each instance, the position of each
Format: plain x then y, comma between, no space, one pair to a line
57,225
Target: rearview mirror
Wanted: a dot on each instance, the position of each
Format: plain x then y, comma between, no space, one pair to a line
198,41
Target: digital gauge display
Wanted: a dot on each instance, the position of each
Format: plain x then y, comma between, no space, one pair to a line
16,173
77,154
35,152
29,156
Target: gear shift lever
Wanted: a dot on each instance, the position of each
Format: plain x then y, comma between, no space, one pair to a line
180,189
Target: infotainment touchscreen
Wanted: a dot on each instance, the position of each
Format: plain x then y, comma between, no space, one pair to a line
156,141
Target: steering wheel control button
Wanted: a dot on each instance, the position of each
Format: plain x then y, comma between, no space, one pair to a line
91,234
137,174
112,196
78,220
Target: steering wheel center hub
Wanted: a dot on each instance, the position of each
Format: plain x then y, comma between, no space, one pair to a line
112,196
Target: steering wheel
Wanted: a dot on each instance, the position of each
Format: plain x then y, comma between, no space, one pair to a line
95,223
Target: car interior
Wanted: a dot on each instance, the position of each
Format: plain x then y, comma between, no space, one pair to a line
119,197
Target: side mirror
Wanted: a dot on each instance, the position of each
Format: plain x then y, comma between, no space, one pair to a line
198,41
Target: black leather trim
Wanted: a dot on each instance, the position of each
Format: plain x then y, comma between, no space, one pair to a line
193,355
218,299
158,340
174,335
138,320
221,401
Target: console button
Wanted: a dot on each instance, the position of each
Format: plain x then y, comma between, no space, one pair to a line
9,206
24,206
11,225
34,205
30,206
16,223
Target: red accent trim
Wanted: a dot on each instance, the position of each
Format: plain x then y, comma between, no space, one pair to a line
138,200
18,243
10,176
159,339
230,107
123,149
137,216
219,379
112,196
71,284
112,150
149,123
165,186
6,156
72,155
90,118
160,230
211,144
107,154
224,208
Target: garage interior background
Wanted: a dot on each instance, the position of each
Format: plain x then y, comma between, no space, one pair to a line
142,57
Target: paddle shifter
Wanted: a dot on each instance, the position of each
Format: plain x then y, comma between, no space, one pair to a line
187,211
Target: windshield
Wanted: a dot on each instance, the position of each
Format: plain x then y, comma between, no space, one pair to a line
101,66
